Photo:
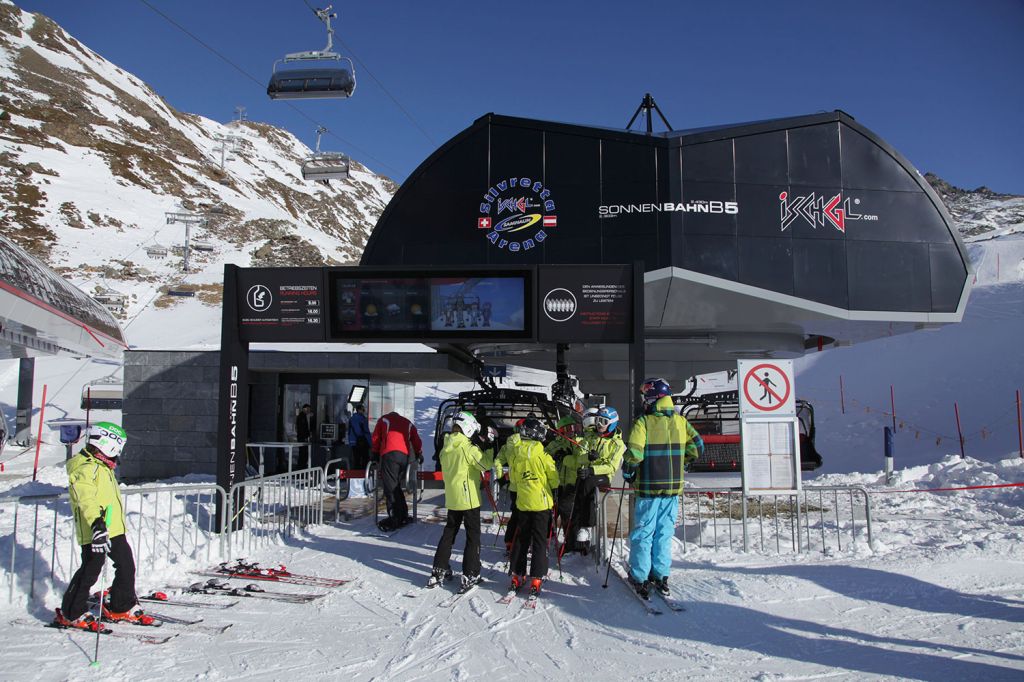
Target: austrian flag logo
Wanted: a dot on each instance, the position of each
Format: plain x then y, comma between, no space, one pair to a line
517,212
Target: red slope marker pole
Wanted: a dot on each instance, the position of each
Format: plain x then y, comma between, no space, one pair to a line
1020,434
960,433
39,435
892,401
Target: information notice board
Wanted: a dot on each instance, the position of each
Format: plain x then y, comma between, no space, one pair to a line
585,303
771,458
281,304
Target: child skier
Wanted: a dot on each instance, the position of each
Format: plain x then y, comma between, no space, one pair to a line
533,472
500,465
462,463
603,448
99,517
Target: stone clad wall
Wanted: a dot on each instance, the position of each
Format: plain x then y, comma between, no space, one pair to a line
170,413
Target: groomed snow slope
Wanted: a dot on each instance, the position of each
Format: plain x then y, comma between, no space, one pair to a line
940,598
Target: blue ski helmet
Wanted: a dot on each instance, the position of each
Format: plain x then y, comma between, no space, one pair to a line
607,420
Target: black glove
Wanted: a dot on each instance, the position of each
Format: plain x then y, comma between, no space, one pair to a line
628,473
419,459
593,455
584,473
100,537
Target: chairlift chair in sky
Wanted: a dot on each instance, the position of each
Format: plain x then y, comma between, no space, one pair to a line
325,166
337,81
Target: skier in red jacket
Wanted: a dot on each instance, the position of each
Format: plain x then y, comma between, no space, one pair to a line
394,441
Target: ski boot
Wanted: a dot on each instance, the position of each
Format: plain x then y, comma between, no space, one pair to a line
660,584
535,587
469,582
438,575
642,588
583,541
84,622
135,616
517,582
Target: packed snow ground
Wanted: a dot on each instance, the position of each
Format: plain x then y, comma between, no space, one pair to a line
939,597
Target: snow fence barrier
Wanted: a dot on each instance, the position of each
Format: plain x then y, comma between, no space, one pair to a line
165,524
826,518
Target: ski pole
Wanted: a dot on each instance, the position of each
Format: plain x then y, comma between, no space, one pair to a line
99,605
611,554
511,551
567,528
574,442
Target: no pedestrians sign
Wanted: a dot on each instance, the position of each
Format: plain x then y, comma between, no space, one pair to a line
766,388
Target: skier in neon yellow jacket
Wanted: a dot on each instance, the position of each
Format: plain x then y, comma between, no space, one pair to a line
533,472
462,463
99,519
601,451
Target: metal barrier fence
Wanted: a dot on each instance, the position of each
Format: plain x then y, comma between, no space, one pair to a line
163,524
272,506
336,484
819,517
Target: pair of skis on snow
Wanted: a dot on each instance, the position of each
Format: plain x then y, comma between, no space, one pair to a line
222,588
253,571
160,619
652,607
531,599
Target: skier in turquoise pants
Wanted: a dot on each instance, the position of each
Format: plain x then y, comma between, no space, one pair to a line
660,444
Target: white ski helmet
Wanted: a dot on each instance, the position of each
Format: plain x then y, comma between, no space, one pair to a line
590,419
467,423
108,438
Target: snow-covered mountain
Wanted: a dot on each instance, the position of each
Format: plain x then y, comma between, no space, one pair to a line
91,159
980,213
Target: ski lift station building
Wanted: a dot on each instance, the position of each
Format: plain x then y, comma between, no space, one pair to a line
759,240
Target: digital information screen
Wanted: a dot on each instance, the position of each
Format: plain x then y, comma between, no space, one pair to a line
449,305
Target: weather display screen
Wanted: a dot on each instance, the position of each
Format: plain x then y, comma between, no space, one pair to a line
424,307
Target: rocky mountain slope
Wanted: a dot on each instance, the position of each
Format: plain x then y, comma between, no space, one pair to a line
91,159
980,213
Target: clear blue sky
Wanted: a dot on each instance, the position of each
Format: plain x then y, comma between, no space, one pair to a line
941,80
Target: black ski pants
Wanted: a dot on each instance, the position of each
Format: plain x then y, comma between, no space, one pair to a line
393,467
513,519
360,454
533,536
122,591
470,518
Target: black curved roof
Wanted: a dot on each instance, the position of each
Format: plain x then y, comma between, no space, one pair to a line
814,206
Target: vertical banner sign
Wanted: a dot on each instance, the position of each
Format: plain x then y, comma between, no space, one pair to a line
585,303
233,395
770,432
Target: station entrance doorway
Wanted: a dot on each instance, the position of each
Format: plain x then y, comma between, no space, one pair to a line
467,315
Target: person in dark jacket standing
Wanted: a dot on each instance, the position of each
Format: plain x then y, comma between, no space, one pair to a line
304,427
394,441
359,438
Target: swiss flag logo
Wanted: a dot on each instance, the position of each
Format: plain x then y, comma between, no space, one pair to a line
483,223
